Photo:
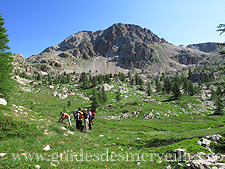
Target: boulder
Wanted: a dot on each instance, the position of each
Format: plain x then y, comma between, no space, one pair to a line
214,137
3,101
64,55
205,142
46,68
107,87
56,64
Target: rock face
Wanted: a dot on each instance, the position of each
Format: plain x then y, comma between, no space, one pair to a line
128,46
116,49
130,42
205,47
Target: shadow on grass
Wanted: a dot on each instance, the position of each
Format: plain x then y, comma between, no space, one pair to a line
156,142
172,98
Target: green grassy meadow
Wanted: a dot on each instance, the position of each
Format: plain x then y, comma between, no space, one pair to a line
135,142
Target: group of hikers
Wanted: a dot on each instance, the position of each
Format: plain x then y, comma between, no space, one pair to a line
86,116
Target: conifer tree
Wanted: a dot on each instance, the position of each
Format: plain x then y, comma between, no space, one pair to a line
118,96
149,89
185,86
5,62
189,73
104,96
158,85
129,74
85,82
94,99
131,81
38,77
191,89
176,90
100,79
167,85
94,81
68,78
49,79
218,98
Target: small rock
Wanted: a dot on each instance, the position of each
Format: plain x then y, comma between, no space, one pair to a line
47,148
178,166
3,101
63,128
37,166
2,154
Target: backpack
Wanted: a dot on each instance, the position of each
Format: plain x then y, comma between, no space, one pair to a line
77,115
93,115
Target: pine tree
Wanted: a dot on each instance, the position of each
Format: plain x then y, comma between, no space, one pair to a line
118,96
68,77
82,76
5,62
121,76
104,96
218,98
100,79
49,79
85,82
136,78
59,79
189,73
129,74
158,85
131,81
199,83
167,85
95,101
176,90
149,89
94,81
191,89
140,81
38,77
185,86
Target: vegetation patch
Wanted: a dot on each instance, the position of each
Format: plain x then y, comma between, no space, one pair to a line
12,128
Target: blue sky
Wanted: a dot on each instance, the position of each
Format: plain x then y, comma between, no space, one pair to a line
34,25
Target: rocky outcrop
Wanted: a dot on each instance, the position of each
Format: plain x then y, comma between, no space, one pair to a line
205,47
56,64
64,55
46,68
203,76
188,59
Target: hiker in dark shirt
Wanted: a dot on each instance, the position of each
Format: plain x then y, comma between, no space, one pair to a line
78,117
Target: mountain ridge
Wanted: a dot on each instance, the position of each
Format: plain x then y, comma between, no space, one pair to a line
121,47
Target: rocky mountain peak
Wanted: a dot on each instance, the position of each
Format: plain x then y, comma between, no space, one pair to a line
122,47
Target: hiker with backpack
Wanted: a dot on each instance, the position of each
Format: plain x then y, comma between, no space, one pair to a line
90,119
65,116
86,121
78,115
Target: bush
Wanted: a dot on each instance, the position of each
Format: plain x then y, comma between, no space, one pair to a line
12,128
220,146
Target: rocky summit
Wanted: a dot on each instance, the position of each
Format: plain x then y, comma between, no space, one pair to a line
119,48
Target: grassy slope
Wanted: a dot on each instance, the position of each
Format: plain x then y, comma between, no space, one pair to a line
121,138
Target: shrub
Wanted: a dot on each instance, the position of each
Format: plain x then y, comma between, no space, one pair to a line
11,128
220,146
